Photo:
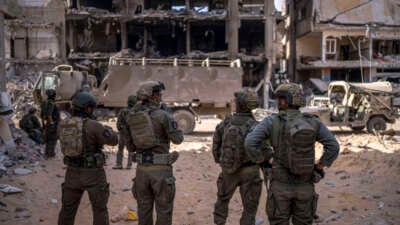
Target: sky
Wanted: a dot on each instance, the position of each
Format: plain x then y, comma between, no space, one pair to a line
279,3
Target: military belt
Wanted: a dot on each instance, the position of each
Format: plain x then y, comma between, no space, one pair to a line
283,175
96,160
152,159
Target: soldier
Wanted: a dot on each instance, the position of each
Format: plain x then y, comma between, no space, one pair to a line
237,168
291,194
82,140
123,132
31,125
151,131
50,115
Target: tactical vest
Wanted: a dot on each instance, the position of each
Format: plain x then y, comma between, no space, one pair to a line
294,140
72,132
233,154
142,130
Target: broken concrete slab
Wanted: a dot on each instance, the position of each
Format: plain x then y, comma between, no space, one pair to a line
22,171
8,189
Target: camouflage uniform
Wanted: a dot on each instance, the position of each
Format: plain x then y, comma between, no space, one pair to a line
123,133
50,115
154,182
290,196
86,173
31,125
246,177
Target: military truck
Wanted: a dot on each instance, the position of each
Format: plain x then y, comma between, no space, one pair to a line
193,87
358,105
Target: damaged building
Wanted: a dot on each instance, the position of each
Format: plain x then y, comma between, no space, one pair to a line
35,40
185,29
351,40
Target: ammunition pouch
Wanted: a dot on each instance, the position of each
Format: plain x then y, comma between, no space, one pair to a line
96,160
147,157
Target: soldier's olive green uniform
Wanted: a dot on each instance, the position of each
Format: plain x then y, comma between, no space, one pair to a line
289,196
86,173
123,133
31,125
247,178
50,109
154,182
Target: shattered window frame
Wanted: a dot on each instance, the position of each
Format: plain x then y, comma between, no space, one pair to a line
331,46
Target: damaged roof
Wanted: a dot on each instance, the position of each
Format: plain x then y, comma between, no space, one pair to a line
383,12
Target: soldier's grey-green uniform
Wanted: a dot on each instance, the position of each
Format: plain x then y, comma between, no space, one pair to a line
290,197
50,115
122,127
85,172
31,125
247,175
154,183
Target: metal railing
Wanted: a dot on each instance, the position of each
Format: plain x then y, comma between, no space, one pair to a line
115,61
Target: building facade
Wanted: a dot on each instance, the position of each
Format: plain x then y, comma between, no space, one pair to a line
352,40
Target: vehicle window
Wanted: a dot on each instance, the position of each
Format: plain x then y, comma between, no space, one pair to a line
49,82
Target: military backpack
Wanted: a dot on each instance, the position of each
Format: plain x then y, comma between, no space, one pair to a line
71,136
233,153
141,129
295,139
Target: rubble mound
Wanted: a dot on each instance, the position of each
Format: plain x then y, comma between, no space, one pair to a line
20,90
26,151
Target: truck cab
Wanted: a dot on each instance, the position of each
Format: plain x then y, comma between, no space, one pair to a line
65,81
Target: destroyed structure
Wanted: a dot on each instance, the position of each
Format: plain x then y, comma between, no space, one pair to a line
351,40
191,29
35,40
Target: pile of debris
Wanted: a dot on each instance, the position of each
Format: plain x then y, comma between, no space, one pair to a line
20,90
26,151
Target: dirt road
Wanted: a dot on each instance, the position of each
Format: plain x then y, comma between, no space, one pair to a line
362,187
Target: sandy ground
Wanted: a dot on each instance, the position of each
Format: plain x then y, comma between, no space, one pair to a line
362,187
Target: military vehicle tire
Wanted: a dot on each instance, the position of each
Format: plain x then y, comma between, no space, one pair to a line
185,120
376,123
358,128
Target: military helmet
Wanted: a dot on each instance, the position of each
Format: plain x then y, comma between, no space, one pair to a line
132,99
51,93
83,100
246,99
293,93
147,89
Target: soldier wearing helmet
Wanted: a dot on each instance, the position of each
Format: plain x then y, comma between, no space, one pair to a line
292,134
31,125
82,139
151,130
50,115
237,168
122,127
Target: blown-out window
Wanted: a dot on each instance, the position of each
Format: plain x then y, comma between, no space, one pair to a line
331,46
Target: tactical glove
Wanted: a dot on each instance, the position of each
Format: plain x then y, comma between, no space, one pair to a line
318,174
